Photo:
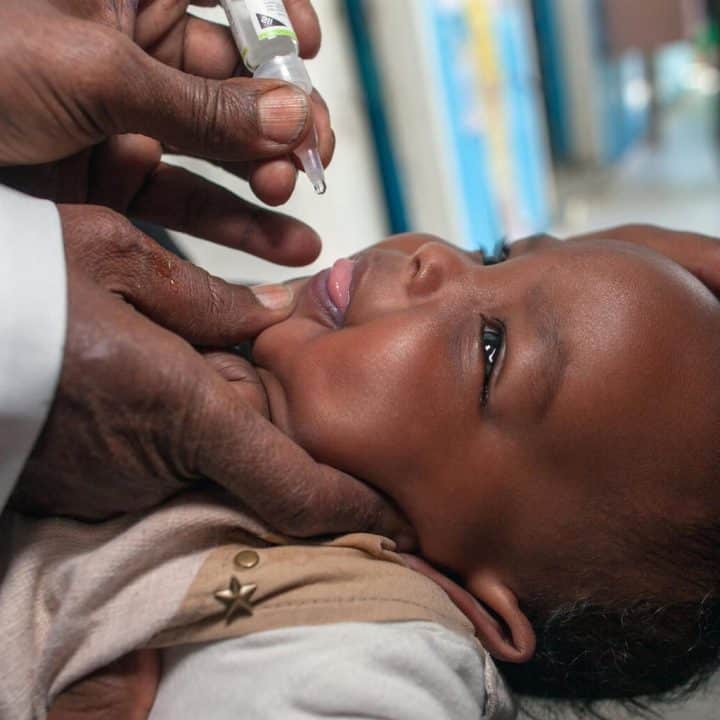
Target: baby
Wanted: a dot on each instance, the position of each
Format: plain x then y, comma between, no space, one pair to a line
548,423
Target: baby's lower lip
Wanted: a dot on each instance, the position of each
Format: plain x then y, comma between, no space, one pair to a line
331,289
339,281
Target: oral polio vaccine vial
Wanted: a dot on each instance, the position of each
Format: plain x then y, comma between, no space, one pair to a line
269,48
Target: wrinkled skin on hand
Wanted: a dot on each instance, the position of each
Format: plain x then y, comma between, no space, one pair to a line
140,412
698,254
93,91
125,690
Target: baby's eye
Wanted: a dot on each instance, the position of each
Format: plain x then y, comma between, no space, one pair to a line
492,343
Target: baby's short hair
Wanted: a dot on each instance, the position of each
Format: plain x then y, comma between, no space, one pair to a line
637,651
658,645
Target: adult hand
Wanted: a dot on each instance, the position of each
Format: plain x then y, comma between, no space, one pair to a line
76,72
125,690
140,413
698,254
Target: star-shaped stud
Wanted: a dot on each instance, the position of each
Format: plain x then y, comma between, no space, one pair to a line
236,599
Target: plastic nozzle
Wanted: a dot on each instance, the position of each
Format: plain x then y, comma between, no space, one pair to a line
291,68
312,165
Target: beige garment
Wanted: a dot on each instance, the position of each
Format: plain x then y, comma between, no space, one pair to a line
649,24
76,596
333,582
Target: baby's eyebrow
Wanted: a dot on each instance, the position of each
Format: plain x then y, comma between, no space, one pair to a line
531,244
546,322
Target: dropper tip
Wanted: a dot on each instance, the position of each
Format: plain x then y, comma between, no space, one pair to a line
312,165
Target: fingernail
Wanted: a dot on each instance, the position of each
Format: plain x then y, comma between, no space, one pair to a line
273,297
282,114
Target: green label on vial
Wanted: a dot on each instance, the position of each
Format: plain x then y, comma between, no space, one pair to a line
274,32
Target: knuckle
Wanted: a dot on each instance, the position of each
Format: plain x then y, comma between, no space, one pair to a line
251,229
124,239
213,293
107,48
129,255
82,62
103,55
110,72
217,299
212,105
88,233
226,117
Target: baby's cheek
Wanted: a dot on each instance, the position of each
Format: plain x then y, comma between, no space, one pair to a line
321,416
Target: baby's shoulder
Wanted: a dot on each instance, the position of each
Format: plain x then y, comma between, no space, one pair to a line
353,578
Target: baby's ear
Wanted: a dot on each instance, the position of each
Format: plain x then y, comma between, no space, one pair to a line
501,626
699,254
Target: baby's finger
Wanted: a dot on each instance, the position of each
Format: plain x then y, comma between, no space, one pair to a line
243,378
177,199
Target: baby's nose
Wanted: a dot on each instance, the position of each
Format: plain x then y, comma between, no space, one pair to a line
432,266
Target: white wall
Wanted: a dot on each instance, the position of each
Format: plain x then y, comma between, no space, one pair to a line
351,215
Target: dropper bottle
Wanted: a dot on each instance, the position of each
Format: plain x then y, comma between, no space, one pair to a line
269,48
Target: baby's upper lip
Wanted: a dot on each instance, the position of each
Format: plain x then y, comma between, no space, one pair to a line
361,266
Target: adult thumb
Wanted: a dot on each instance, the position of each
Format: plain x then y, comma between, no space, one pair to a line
239,119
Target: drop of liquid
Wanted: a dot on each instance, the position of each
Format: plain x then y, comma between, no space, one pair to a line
320,187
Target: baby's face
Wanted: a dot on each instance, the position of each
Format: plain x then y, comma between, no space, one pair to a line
517,413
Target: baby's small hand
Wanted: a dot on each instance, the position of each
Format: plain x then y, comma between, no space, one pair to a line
242,376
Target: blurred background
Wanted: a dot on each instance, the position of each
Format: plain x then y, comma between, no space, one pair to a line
480,120
483,119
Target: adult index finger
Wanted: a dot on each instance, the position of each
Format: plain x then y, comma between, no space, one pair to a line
174,293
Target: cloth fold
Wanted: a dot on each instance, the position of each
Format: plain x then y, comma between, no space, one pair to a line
76,596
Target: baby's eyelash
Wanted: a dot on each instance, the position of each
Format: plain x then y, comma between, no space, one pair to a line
499,256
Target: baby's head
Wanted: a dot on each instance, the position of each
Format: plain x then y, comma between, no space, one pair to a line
549,424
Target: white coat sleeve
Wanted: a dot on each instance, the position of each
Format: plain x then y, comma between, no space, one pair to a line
33,309
368,671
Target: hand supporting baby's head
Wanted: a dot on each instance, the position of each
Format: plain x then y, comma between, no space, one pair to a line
548,425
